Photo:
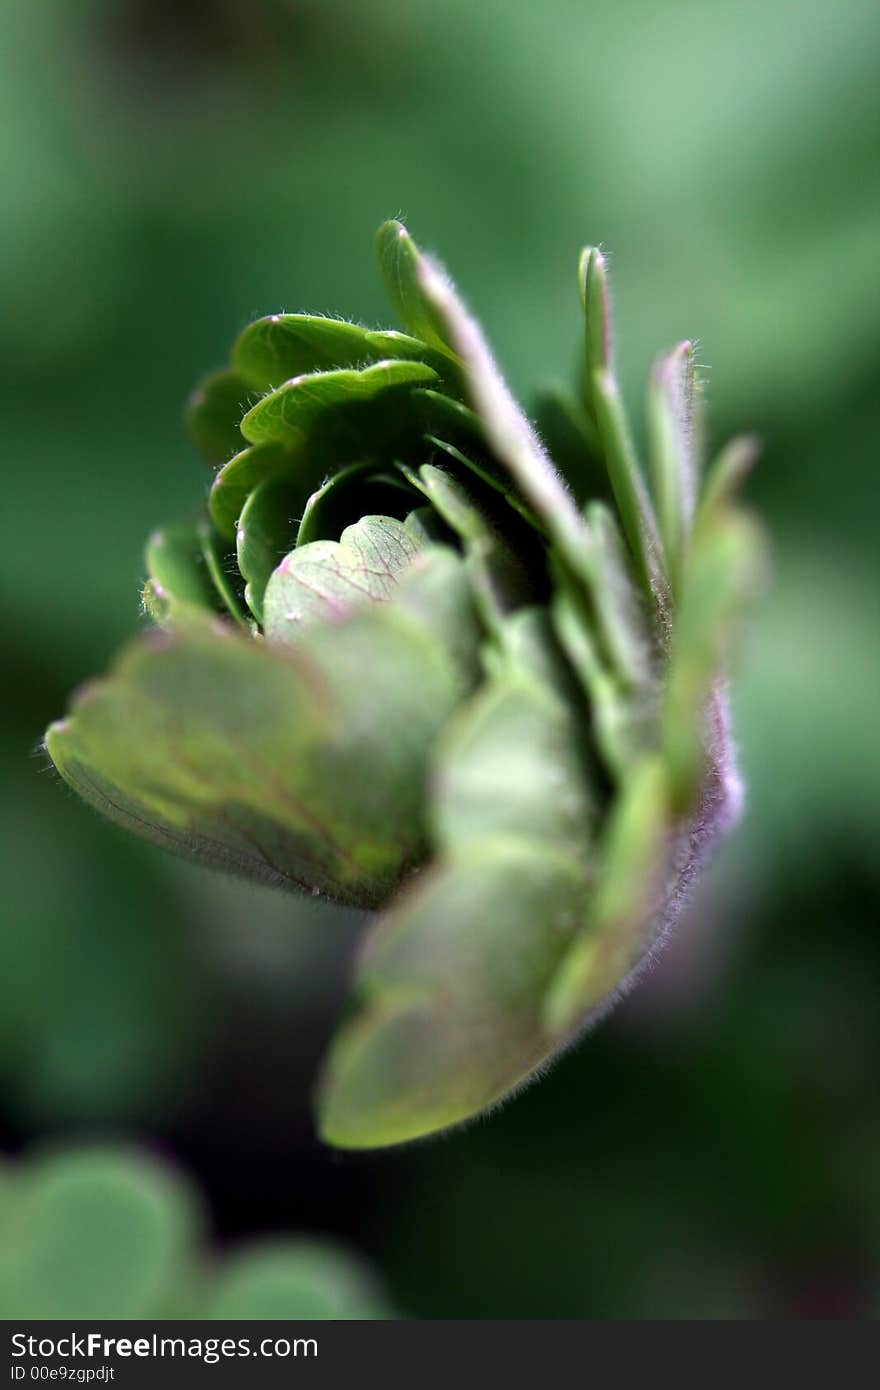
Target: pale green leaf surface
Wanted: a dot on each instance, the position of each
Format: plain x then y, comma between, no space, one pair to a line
498,569
572,441
513,761
450,995
428,527
509,767
435,591
724,574
267,529
304,767
452,980
609,706
243,473
350,494
612,647
630,493
622,617
325,580
511,438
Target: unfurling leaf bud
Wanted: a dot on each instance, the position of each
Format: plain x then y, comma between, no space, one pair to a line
416,659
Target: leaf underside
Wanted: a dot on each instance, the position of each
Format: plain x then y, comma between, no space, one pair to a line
303,767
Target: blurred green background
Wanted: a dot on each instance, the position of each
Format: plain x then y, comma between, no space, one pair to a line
111,1232
172,168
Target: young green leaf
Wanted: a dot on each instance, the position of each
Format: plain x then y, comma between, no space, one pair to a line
450,991
177,574
674,429
511,768
274,349
725,572
348,405
499,575
302,766
214,414
596,303
629,898
436,592
628,485
325,580
513,822
399,263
